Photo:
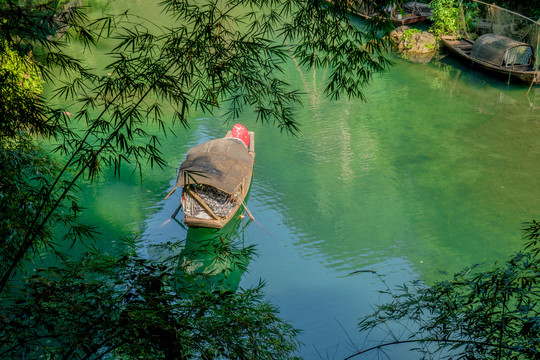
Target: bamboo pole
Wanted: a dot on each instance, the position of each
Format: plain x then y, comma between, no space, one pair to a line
204,205
170,193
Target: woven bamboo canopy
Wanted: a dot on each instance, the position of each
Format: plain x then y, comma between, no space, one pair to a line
502,51
220,163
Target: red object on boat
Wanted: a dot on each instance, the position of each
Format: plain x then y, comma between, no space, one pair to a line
239,131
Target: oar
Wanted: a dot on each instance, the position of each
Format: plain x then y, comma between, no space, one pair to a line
173,190
177,210
258,223
247,210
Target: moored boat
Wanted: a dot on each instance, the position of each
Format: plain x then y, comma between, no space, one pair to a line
417,8
397,19
215,178
499,56
400,16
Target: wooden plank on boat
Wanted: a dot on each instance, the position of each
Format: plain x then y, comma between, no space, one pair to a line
194,195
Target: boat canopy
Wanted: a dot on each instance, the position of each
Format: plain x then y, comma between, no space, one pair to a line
502,51
220,163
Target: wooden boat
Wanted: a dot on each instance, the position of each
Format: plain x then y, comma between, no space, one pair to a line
407,19
415,7
405,16
215,178
496,55
397,19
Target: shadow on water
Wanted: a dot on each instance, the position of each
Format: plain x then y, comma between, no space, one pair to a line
474,76
215,258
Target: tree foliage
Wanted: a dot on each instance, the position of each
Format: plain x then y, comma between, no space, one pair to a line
479,314
446,20
126,306
24,170
209,60
528,8
20,87
224,56
34,36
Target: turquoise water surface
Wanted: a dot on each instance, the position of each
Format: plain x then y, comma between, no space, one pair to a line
436,171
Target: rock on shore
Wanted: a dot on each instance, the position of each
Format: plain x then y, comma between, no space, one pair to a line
416,45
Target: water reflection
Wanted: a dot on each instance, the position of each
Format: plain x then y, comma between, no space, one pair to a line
426,170
435,172
215,258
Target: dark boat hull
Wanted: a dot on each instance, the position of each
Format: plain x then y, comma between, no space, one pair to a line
461,48
408,19
219,223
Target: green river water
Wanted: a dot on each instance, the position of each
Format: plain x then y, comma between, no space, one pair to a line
437,171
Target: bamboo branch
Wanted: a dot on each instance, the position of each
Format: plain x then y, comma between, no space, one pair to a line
34,227
399,342
203,204
170,193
